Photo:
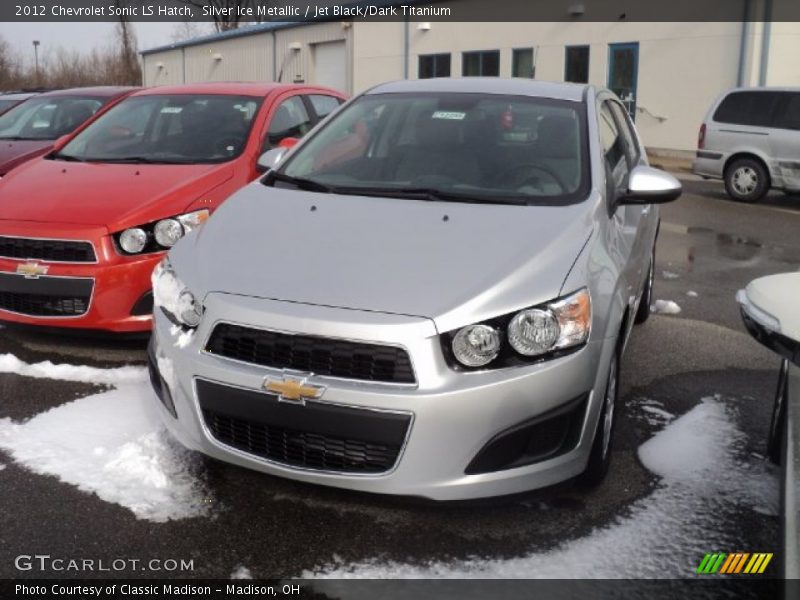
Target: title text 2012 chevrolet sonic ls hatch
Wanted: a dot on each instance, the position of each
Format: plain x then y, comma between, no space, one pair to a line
428,296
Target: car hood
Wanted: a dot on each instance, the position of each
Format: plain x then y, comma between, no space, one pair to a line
114,195
446,261
14,151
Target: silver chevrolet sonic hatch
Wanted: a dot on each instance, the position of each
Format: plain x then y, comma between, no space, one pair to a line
429,295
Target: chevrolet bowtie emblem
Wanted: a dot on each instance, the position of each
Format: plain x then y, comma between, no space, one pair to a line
290,388
32,270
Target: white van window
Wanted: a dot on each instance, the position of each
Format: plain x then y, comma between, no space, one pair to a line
748,108
789,113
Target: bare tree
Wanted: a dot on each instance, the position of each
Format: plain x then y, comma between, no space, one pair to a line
187,30
225,14
130,72
10,69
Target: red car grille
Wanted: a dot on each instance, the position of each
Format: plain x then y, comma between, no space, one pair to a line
47,250
45,296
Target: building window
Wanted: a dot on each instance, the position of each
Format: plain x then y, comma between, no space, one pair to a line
576,65
522,63
481,64
434,65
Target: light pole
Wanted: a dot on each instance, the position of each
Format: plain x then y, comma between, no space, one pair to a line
36,58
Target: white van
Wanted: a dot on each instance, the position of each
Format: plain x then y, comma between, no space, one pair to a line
751,139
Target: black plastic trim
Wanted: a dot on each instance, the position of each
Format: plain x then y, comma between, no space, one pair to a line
515,447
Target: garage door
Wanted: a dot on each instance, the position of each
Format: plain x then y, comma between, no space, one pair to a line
330,65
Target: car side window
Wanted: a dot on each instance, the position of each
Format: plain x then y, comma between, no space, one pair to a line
632,150
789,115
324,105
748,108
613,145
291,119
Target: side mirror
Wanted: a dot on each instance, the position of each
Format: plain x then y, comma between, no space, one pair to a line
288,142
647,185
60,142
270,159
768,307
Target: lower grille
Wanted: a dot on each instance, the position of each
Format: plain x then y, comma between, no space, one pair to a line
45,296
314,436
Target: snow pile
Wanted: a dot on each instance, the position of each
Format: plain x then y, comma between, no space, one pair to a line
111,445
692,294
47,370
669,275
241,572
705,483
2,467
665,307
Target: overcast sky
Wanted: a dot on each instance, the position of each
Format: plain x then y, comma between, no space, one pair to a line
80,36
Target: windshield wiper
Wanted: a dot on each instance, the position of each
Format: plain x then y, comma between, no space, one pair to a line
126,159
66,157
303,184
432,194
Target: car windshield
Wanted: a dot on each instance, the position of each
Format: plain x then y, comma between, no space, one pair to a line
167,129
5,104
455,147
47,118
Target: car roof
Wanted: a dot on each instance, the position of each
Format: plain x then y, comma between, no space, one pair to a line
487,85
763,89
107,91
243,88
18,95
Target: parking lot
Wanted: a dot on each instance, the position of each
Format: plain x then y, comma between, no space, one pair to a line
95,478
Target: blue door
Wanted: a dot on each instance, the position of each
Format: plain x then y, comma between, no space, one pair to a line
623,73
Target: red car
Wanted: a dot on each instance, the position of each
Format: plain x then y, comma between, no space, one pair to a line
30,128
82,228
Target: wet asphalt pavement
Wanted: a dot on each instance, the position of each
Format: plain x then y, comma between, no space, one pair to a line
709,246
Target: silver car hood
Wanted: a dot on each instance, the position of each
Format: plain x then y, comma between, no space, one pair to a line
451,262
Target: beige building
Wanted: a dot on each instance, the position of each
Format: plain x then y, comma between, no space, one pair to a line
667,73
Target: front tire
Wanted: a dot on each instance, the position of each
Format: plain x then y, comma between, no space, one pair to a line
746,180
600,456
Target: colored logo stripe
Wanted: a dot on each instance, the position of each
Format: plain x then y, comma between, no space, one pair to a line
711,563
735,563
758,563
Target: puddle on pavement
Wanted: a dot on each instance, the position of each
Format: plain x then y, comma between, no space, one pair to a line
738,248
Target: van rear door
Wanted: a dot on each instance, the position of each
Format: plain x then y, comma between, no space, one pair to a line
785,139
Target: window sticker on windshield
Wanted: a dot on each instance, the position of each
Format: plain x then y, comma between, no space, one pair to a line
449,114
172,110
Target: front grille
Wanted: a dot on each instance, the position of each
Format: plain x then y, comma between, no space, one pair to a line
300,449
318,355
45,296
43,306
315,436
48,250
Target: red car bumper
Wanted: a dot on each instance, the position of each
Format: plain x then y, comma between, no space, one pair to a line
41,285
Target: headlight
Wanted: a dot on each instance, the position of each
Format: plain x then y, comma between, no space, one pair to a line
160,235
533,331
168,232
530,333
171,295
476,345
133,240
